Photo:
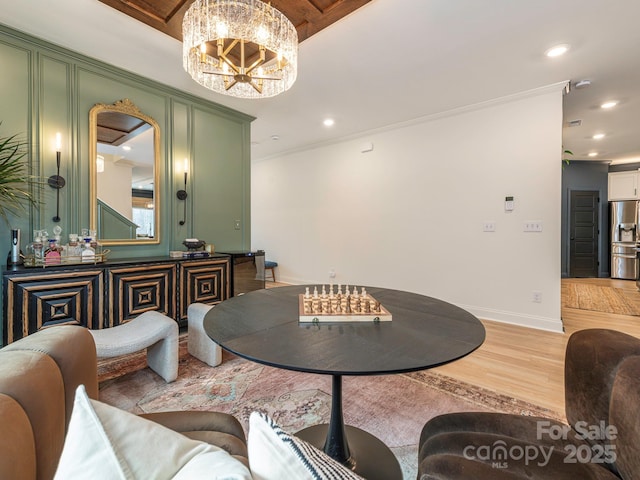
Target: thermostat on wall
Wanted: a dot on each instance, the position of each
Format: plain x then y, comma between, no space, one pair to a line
508,204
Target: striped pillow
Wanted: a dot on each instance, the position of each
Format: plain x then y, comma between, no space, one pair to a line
274,455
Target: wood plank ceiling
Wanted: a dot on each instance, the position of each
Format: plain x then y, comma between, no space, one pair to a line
308,16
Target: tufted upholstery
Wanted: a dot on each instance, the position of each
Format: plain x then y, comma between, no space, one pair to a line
38,378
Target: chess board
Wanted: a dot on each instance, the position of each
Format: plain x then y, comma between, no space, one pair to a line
340,307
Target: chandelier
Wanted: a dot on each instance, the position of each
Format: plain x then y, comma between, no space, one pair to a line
242,48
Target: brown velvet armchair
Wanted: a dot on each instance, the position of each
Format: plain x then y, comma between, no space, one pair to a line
601,440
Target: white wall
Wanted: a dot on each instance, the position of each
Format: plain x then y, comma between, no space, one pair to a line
409,214
114,186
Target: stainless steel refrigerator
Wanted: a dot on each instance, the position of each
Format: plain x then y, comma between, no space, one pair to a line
624,240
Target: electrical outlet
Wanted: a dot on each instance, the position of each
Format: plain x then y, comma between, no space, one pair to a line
533,226
537,296
489,227
332,273
237,225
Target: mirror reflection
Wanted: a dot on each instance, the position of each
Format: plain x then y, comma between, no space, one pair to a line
125,150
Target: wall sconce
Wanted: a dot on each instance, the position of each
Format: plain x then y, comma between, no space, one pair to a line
56,181
182,194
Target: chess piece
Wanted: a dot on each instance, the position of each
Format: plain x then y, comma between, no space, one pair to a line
324,303
366,305
307,305
354,301
346,303
333,301
335,304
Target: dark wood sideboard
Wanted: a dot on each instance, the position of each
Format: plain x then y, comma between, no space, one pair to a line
107,294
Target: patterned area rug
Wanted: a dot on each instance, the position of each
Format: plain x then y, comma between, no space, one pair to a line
392,407
600,299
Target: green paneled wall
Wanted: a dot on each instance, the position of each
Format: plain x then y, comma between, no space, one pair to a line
46,89
224,206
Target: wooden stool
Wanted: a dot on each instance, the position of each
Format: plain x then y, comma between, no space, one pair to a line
269,265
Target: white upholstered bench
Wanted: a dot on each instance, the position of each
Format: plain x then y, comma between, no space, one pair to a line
199,344
151,330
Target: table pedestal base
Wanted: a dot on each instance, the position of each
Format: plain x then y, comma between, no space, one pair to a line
373,459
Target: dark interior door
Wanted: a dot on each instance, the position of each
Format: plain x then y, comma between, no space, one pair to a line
583,236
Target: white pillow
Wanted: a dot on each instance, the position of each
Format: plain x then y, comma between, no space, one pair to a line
276,455
106,443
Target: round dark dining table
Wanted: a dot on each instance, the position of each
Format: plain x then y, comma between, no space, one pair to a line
263,326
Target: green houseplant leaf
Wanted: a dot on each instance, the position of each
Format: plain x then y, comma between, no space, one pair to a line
564,154
16,184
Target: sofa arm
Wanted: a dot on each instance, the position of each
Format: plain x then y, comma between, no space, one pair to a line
73,350
18,459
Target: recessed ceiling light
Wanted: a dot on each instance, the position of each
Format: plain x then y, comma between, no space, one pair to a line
328,122
557,50
610,104
598,136
593,154
126,147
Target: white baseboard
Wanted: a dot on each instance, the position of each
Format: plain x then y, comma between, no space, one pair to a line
514,318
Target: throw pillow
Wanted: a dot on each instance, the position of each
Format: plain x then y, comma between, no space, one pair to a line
274,455
106,443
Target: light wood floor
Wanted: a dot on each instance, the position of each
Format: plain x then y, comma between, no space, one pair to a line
528,363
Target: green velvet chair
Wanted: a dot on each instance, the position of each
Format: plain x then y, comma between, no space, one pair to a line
601,440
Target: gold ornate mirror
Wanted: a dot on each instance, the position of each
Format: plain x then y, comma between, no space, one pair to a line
125,163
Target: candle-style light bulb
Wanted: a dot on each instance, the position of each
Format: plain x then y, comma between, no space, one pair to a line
58,142
185,167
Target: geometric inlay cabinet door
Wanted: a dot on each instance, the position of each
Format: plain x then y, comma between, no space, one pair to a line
40,300
107,294
138,289
203,282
